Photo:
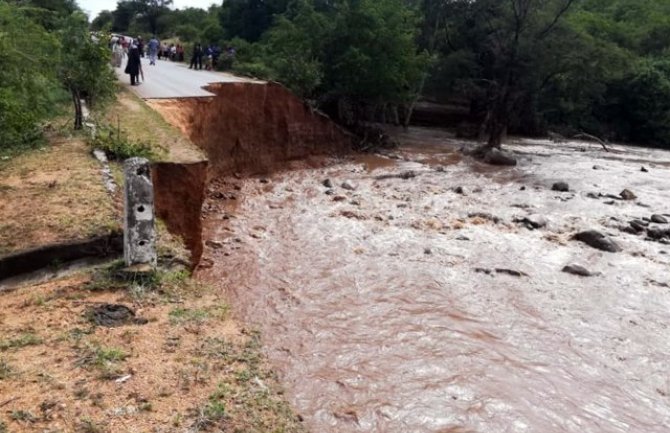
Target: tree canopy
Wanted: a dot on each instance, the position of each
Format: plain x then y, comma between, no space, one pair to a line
523,66
47,53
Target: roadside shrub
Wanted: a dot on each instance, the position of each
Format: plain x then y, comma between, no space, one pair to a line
253,70
118,147
225,63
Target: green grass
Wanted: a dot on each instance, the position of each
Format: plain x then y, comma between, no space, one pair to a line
6,371
105,359
22,415
118,146
23,340
248,398
87,425
179,316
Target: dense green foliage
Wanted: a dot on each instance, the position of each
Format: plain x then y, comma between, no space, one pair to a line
46,52
119,147
597,66
26,78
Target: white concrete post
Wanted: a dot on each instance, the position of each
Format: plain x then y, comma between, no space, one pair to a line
139,235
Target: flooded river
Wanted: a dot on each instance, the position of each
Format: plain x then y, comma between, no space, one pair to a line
405,306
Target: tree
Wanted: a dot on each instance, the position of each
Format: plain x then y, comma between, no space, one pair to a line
84,65
249,19
123,15
103,21
46,13
27,80
152,10
516,33
372,56
294,57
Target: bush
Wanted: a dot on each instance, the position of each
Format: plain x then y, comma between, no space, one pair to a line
638,105
253,70
118,147
27,77
225,62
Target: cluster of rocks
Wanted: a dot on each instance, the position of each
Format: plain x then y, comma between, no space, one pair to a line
347,184
656,227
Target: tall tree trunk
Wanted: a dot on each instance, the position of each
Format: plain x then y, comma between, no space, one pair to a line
499,116
78,113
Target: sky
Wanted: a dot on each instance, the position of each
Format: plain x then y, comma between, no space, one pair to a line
93,7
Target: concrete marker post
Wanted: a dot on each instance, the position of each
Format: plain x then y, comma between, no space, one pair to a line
139,233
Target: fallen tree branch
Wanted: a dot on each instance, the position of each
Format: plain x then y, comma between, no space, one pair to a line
594,138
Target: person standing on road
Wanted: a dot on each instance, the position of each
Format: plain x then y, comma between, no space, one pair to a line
140,46
117,53
154,46
133,66
196,59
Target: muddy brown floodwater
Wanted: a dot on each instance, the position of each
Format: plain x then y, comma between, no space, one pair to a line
378,312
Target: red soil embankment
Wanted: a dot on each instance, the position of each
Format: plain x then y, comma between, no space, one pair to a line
253,128
179,191
248,127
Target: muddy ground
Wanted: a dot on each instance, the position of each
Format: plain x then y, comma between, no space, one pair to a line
404,304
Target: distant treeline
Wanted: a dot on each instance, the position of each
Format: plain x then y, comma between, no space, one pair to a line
527,66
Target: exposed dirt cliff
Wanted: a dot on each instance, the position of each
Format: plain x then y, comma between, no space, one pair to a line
179,191
253,128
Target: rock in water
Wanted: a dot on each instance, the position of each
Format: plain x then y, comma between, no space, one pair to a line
459,190
638,226
561,187
217,245
351,186
644,169
627,194
659,219
577,270
498,157
658,233
598,240
327,183
533,222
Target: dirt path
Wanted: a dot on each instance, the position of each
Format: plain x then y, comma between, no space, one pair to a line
403,306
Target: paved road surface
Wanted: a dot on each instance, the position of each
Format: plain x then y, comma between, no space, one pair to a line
174,80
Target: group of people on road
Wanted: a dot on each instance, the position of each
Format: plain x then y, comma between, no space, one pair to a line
210,55
134,50
172,52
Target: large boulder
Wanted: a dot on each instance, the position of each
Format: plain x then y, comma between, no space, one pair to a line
595,239
659,219
561,187
498,157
